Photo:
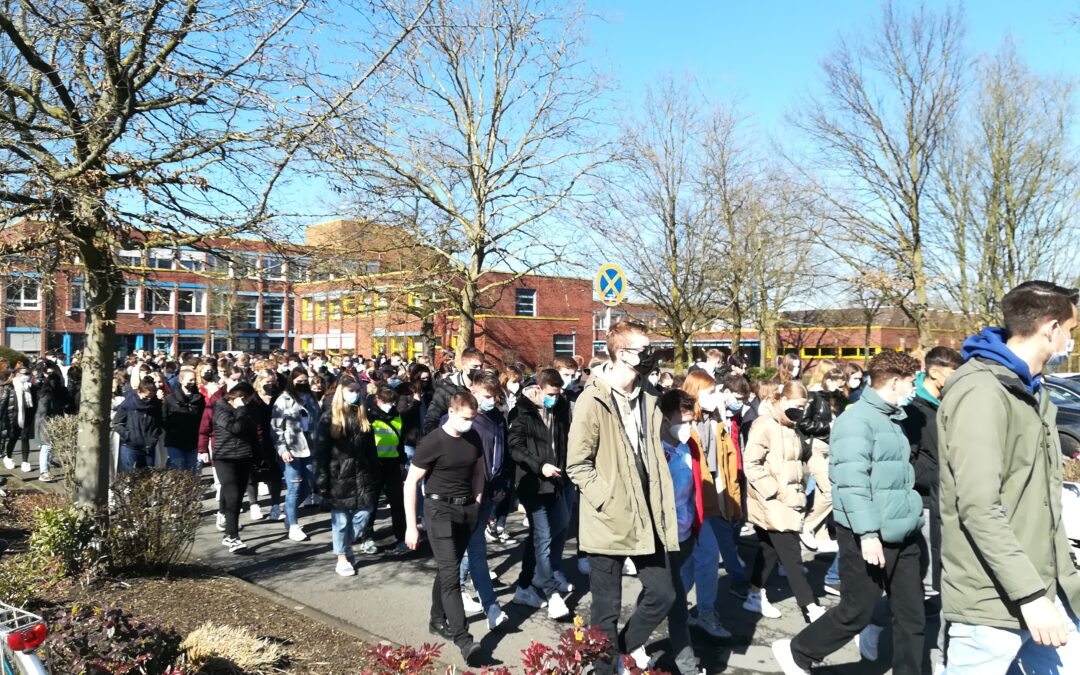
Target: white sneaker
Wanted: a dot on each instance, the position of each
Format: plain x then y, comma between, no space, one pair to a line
814,612
747,531
809,541
525,522
827,546
781,650
759,604
528,597
256,512
345,568
276,513
27,467
564,585
220,522
9,464
628,568
557,608
296,533
234,544
710,623
583,566
471,605
641,659
869,641
496,617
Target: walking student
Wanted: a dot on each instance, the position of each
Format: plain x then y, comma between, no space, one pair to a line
878,517
182,413
347,473
236,443
293,423
386,424
1009,588
450,460
615,458
17,407
138,424
826,401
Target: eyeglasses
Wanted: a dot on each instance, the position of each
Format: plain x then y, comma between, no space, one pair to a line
645,351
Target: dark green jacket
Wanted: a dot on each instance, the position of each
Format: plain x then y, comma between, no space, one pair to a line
869,466
1003,542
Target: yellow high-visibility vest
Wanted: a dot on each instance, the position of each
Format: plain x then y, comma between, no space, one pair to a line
387,437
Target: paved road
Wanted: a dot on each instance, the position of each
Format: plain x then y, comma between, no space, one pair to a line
390,596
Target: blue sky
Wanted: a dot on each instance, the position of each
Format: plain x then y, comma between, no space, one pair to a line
765,53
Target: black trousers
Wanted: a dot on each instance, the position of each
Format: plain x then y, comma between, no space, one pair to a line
233,474
275,482
654,602
392,485
449,528
862,586
785,547
9,449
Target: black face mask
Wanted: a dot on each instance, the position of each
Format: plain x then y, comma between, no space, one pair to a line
794,414
192,387
646,361
268,389
474,374
302,387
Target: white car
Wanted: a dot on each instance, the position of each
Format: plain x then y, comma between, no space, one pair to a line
1070,517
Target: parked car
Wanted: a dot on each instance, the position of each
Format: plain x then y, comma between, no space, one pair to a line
1065,394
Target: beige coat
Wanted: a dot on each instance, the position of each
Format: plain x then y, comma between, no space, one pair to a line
776,497
614,515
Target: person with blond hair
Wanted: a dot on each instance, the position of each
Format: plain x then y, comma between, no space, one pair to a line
826,401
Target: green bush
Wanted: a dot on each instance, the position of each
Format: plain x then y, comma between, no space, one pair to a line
767,373
153,517
71,537
104,641
62,433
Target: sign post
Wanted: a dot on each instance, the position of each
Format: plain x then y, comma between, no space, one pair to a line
611,288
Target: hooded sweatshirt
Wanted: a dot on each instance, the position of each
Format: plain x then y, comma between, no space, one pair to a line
989,343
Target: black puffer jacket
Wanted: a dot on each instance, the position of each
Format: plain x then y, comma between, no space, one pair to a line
182,413
138,422
818,418
9,414
921,430
52,397
347,468
530,444
235,434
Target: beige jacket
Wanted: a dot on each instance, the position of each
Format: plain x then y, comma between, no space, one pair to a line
776,497
614,514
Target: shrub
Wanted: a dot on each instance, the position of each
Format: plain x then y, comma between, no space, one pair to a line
12,356
764,374
62,433
71,537
404,660
578,648
1072,470
153,517
108,641
23,577
224,649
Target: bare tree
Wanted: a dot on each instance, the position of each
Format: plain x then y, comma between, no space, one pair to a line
147,123
479,144
876,136
1008,191
655,206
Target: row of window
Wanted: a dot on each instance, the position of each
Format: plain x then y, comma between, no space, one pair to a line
837,352
239,265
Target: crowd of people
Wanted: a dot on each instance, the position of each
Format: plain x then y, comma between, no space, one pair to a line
934,478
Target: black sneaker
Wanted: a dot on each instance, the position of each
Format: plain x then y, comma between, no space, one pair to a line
440,629
234,544
471,653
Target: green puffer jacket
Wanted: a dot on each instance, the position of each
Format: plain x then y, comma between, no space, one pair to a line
873,482
1003,542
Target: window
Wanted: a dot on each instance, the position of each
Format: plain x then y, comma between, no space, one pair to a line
297,268
189,343
320,310
335,309
191,302
22,293
78,297
246,312
163,343
192,261
307,309
160,259
130,258
564,345
160,300
525,302
217,265
273,313
273,268
130,301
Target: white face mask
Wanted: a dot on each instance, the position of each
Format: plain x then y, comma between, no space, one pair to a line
653,379
513,387
707,402
352,397
795,370
463,426
386,407
681,432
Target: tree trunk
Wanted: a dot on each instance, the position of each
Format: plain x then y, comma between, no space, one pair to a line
679,340
94,453
736,326
467,320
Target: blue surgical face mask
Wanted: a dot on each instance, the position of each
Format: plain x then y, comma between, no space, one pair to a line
1061,358
352,397
394,382
550,401
735,406
906,400
486,405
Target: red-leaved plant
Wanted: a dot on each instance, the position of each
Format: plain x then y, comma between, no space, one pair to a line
406,660
577,649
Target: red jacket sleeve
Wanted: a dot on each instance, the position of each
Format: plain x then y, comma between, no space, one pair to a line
206,425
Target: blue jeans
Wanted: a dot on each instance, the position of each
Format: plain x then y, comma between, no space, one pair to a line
185,460
832,577
132,458
701,565
299,482
727,537
548,522
475,562
44,457
985,650
346,527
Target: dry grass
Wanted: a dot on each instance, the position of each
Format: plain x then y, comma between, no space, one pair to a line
225,649
1072,470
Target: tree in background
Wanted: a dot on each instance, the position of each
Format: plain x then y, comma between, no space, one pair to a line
149,123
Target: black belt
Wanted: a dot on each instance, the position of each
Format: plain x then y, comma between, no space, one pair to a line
454,501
